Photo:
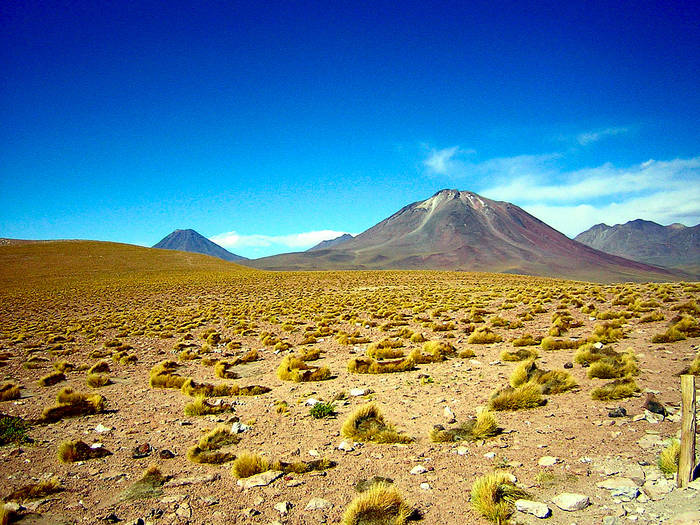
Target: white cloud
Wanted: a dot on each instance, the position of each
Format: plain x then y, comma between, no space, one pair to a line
258,245
590,137
661,191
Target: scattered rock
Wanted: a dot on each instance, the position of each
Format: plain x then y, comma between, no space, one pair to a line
537,509
548,461
166,454
238,428
616,483
346,446
142,451
283,507
658,489
425,486
249,512
568,364
184,511
651,440
260,480
490,455
462,451
617,412
210,501
652,417
449,415
570,501
311,402
100,428
318,504
654,405
357,392
419,469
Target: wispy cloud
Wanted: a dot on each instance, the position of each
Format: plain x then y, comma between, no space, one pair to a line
584,139
574,200
258,245
662,191
455,163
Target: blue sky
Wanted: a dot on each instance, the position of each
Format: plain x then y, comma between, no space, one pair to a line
268,126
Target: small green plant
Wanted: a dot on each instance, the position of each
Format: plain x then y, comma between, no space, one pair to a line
321,410
13,429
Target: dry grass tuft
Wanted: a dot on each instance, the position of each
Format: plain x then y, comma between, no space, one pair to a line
202,407
527,395
669,458
52,379
164,375
482,427
207,450
36,490
493,496
9,391
249,464
101,367
367,423
149,486
72,451
381,504
367,365
484,336
98,380
618,389
72,404
518,355
294,368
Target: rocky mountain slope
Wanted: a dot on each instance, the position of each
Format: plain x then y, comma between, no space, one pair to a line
331,243
671,246
462,230
191,241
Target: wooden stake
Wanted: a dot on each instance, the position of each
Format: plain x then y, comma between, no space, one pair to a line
686,462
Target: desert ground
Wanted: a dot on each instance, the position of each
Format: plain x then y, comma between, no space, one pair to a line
61,319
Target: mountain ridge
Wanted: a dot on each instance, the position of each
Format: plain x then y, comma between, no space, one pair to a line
461,230
191,241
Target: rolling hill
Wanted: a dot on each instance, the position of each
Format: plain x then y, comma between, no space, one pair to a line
460,230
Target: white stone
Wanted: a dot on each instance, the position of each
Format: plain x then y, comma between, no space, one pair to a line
653,417
490,455
449,415
548,461
314,453
616,483
311,402
425,486
462,451
346,446
537,509
283,507
419,469
238,427
357,392
571,501
100,428
260,480
318,503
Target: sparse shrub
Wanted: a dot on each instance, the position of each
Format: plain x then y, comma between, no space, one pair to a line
321,410
550,343
52,379
417,338
669,336
466,353
150,485
98,380
63,366
367,423
381,504
202,407
208,449
493,496
221,369
71,451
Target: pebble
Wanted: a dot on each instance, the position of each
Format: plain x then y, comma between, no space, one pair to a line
490,455
346,446
548,461
357,392
237,427
283,507
425,486
419,469
260,480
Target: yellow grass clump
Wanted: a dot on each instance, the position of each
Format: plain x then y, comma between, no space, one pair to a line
618,389
293,368
9,391
484,336
381,504
482,427
72,404
527,395
164,375
669,458
367,423
72,451
367,365
493,496
36,490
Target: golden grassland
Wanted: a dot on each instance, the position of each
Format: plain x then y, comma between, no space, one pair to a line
87,313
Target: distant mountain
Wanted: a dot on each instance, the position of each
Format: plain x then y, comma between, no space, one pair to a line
460,230
671,246
330,243
191,241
